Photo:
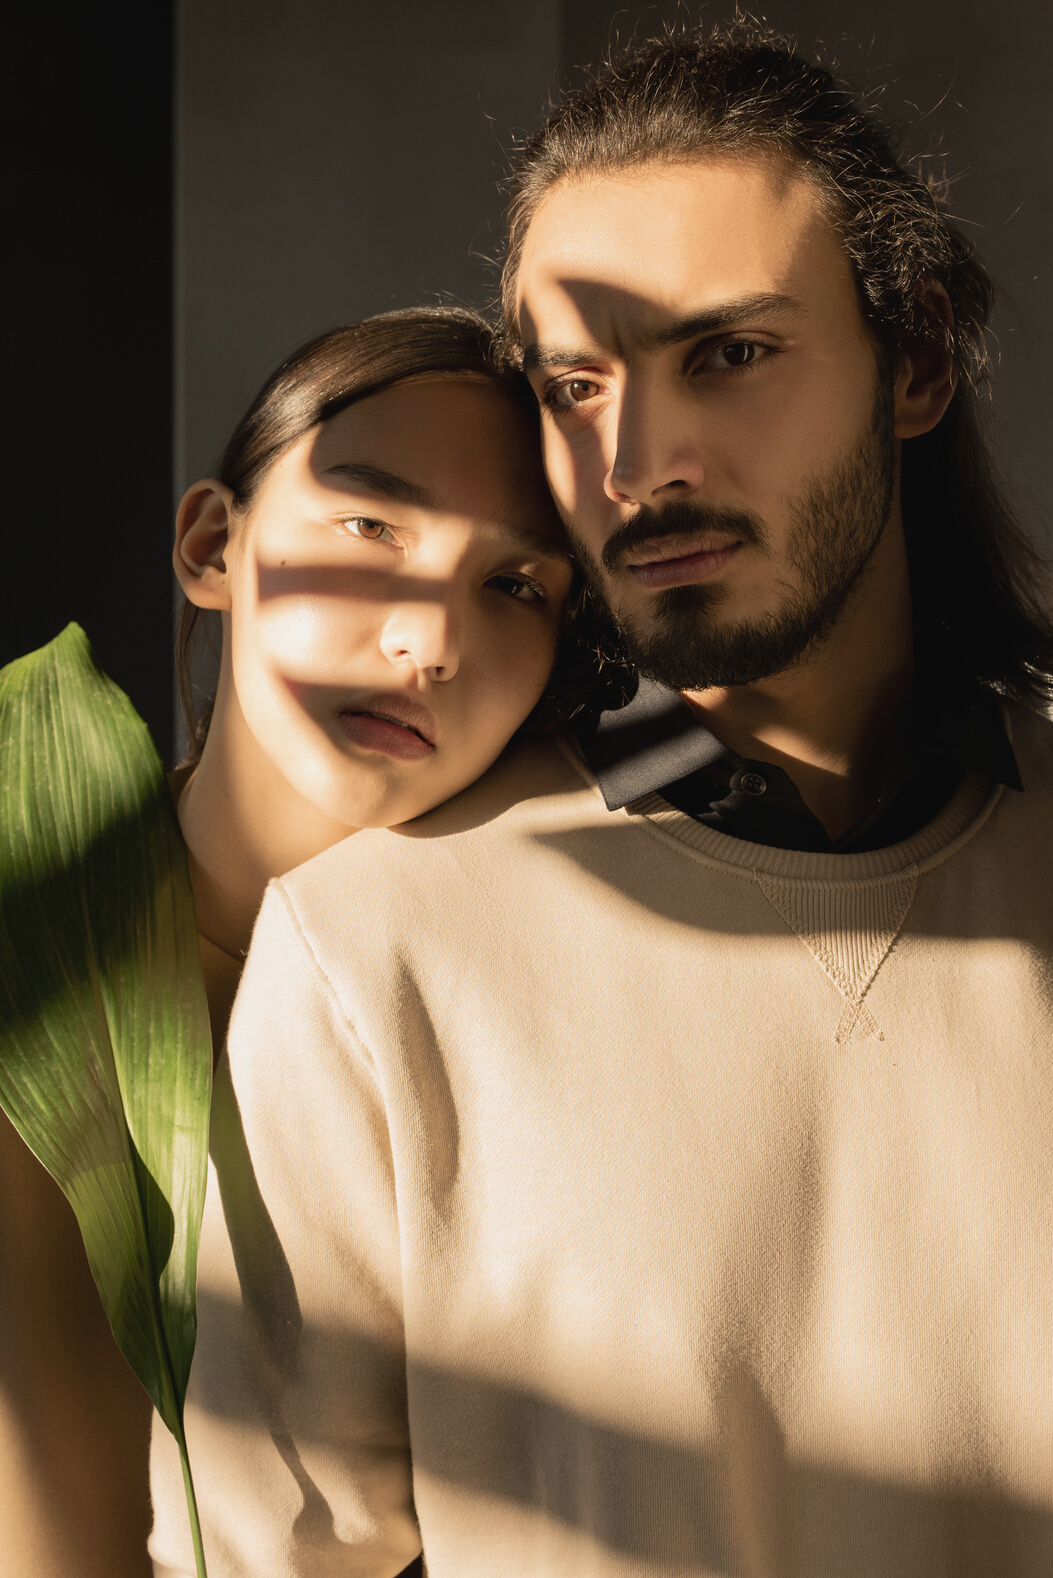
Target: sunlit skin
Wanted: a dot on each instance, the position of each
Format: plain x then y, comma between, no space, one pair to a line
693,332
400,564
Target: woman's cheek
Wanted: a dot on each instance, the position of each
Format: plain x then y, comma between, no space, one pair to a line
306,639
520,672
544,649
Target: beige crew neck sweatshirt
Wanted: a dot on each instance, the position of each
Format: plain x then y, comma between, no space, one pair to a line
594,1194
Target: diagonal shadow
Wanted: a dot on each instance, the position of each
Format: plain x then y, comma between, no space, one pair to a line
663,882
742,1505
666,884
738,1504
274,581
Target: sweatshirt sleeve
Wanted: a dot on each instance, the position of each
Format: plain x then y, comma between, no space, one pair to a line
296,1416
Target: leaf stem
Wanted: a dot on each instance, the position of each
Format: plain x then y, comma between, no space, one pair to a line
191,1507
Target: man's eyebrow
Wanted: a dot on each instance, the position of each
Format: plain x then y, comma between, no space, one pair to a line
721,316
536,356
386,483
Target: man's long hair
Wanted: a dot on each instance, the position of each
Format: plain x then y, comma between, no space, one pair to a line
979,583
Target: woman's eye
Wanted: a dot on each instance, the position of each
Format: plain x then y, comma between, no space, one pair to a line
519,587
576,391
369,530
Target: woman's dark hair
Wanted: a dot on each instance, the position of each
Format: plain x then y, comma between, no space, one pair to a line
345,365
978,581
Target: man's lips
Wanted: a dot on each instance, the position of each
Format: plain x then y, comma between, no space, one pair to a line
395,726
676,562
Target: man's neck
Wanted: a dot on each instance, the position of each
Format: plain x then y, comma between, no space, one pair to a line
837,721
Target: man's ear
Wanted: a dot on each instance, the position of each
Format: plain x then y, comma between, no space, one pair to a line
926,376
202,532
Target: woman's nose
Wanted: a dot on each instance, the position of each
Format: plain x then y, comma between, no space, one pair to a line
423,634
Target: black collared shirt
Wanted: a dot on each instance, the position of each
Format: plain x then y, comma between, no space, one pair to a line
657,744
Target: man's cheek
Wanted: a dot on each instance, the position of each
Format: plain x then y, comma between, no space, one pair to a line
575,475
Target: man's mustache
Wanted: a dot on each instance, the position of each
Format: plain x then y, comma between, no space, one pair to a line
679,520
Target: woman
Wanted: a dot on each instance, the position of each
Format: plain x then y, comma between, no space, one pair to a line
397,601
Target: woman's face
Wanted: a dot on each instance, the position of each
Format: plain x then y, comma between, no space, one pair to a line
395,592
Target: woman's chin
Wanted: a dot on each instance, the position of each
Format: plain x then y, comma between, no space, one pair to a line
359,788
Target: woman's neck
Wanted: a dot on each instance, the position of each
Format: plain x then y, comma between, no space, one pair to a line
243,824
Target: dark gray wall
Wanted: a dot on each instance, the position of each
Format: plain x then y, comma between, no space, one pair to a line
336,159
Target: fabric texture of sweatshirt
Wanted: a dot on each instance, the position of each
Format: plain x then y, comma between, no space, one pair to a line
595,1194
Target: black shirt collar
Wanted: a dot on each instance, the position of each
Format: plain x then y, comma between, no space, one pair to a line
657,744
653,741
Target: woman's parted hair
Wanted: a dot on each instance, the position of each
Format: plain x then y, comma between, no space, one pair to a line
739,88
347,364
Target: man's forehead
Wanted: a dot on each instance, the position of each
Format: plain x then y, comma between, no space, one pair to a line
655,245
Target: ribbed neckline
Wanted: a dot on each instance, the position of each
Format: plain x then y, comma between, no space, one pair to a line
962,817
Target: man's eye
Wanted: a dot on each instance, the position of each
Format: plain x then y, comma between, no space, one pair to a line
369,530
520,587
736,353
564,397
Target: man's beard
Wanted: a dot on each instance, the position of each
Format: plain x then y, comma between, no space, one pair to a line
837,524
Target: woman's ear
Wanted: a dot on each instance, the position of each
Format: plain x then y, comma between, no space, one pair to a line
927,375
202,533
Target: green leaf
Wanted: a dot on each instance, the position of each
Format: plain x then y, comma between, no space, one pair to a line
105,1050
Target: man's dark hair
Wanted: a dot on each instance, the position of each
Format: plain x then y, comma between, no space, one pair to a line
979,583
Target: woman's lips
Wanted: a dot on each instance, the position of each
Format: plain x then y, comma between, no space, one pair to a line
376,733
702,565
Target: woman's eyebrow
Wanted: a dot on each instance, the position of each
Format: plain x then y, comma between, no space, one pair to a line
532,537
391,486
386,483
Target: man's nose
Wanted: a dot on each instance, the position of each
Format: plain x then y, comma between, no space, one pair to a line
424,635
657,450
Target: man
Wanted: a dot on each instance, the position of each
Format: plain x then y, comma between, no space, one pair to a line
732,314
651,1164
